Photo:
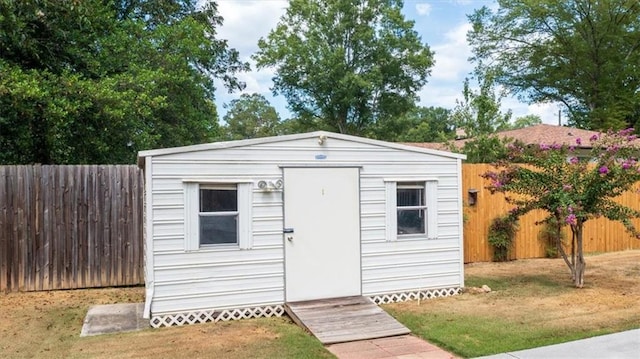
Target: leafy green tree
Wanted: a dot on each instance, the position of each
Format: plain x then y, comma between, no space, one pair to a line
572,191
478,113
95,81
250,116
421,124
526,121
484,148
296,125
346,63
582,53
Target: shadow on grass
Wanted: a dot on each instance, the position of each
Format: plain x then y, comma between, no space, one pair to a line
526,285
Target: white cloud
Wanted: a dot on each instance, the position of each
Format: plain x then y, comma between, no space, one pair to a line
452,55
245,22
450,69
423,9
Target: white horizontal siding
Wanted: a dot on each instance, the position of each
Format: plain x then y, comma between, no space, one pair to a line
231,278
177,303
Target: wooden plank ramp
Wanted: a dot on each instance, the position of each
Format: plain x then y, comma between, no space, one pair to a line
345,319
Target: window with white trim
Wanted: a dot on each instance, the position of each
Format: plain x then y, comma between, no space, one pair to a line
217,215
411,209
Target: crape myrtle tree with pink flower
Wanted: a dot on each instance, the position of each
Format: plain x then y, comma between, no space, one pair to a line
569,189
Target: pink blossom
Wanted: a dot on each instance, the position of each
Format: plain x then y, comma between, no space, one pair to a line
573,160
572,219
578,141
572,148
603,170
556,146
544,147
593,138
626,165
626,132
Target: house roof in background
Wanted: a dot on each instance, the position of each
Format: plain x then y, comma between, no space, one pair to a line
533,135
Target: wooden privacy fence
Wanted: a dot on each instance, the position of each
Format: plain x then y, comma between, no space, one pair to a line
64,227
600,235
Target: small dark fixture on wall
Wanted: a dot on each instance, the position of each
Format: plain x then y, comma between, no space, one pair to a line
473,196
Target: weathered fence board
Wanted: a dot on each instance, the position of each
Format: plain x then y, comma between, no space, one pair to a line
64,227
600,235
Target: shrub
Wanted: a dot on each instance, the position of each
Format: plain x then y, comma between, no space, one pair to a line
501,235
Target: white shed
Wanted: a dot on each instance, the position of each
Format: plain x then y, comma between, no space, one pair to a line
236,229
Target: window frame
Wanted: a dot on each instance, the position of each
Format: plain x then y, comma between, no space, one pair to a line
192,214
419,185
430,207
236,213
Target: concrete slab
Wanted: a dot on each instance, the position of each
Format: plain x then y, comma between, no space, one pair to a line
114,318
623,345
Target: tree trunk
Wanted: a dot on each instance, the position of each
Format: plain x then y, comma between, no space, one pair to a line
573,252
579,264
560,248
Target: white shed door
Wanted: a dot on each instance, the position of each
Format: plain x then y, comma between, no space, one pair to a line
322,248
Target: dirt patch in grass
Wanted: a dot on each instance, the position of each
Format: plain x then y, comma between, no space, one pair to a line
532,303
48,324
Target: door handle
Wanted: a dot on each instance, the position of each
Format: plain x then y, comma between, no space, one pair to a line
288,231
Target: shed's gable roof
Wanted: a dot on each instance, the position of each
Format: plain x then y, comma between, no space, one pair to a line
284,138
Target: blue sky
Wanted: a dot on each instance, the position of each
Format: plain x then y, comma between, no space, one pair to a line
442,24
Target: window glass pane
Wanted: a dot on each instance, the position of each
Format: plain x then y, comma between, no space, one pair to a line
411,221
218,229
218,200
410,197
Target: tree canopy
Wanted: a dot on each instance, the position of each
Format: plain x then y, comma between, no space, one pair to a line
420,124
526,121
346,64
582,53
478,113
250,116
95,81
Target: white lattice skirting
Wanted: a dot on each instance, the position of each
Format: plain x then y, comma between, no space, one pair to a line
216,316
414,295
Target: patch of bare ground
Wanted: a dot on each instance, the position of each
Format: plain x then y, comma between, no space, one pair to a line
220,340
48,324
538,292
